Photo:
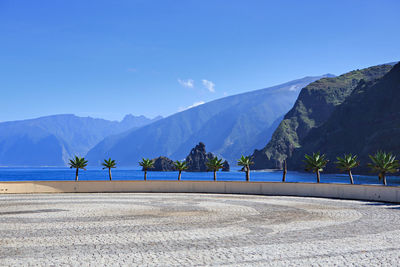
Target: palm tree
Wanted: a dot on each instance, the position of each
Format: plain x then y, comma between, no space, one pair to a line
347,163
214,164
180,166
316,163
383,163
146,164
77,163
109,164
284,171
246,162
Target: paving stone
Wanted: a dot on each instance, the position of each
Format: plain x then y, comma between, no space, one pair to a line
195,230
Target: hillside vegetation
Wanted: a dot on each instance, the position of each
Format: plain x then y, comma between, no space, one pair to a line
367,121
315,104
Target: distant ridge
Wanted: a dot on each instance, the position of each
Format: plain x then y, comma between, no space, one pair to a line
52,140
228,126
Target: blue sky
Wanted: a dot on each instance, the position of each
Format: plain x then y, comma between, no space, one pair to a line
109,58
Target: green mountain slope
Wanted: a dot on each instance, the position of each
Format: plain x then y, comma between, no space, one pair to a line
230,126
312,108
369,120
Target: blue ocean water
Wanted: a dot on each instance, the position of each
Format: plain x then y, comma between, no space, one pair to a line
65,174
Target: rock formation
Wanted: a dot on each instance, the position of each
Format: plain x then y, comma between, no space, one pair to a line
226,166
163,164
198,158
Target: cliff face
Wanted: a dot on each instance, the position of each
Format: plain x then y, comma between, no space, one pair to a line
313,107
367,121
198,158
225,167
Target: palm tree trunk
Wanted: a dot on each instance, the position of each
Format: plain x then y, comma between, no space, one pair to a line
384,179
179,176
318,179
215,175
247,174
351,177
76,174
109,173
145,174
284,171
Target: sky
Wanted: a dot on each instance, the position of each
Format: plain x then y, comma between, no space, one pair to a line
106,59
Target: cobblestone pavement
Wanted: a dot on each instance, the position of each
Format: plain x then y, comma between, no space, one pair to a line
195,229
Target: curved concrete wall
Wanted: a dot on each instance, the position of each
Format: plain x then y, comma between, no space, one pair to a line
344,191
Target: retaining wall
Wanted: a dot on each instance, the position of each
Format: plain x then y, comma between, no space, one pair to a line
342,191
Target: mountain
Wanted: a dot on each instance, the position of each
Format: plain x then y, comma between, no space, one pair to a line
52,140
315,104
230,126
367,121
131,121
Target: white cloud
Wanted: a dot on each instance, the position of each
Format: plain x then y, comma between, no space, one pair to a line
189,83
293,88
209,85
132,70
195,104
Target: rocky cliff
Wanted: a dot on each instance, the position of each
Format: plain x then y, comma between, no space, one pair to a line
367,121
313,107
198,158
225,167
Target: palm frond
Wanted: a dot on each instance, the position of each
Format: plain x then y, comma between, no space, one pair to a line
245,161
109,163
214,164
146,163
315,162
180,165
78,163
347,162
383,162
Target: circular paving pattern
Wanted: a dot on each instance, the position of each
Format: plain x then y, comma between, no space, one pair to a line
196,229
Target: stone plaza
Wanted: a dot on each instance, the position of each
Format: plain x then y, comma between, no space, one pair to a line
155,229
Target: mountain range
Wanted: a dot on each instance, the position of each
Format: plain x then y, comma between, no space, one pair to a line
230,126
52,140
313,108
355,112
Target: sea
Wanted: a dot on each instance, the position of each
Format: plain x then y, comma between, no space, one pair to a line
96,174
